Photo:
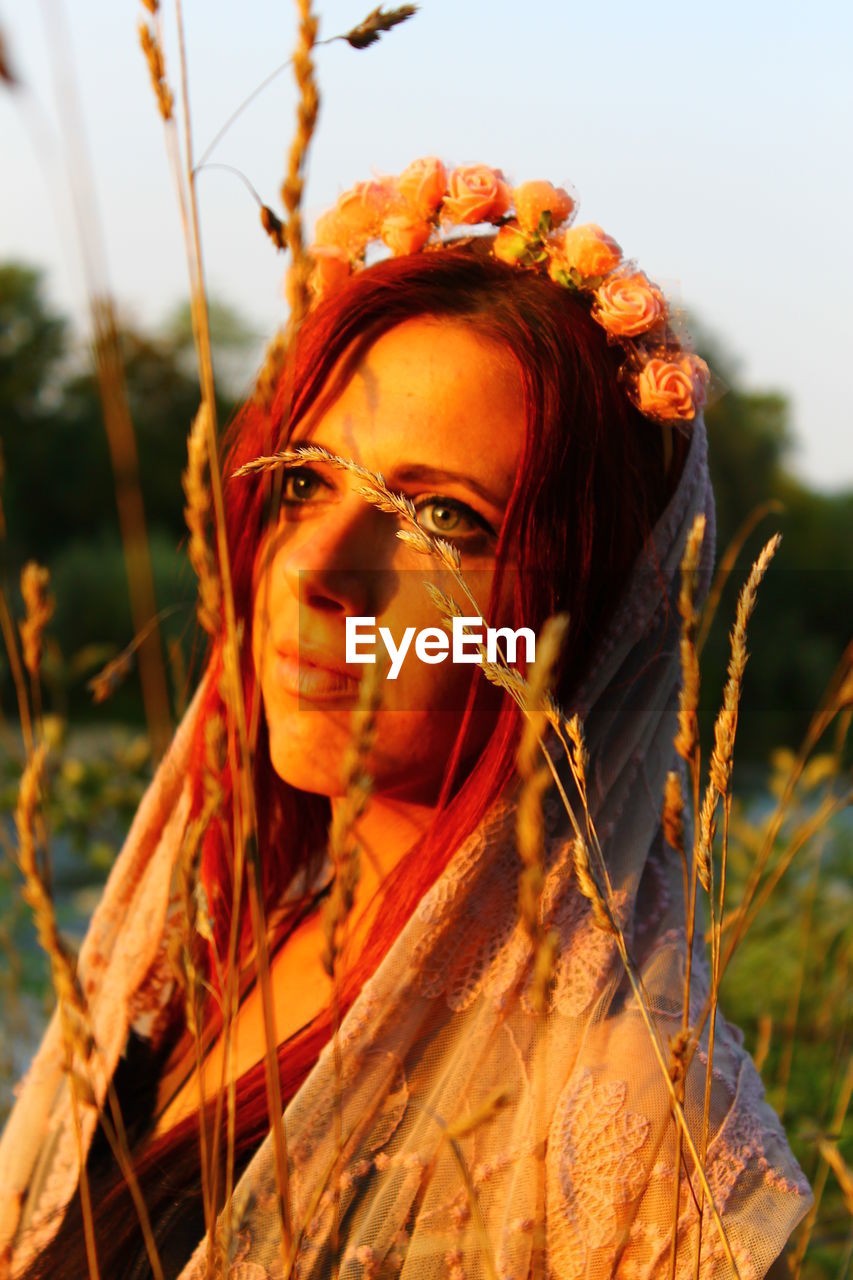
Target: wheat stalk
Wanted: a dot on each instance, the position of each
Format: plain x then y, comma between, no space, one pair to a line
154,57
39,606
530,829
196,514
687,746
344,855
719,788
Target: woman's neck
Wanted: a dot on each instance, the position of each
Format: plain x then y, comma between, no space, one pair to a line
385,831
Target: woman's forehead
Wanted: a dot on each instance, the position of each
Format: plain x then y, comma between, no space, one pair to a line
428,394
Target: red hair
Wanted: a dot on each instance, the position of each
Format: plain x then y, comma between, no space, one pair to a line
590,486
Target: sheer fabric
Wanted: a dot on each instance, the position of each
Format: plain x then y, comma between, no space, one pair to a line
578,1170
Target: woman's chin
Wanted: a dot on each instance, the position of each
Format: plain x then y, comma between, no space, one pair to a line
315,772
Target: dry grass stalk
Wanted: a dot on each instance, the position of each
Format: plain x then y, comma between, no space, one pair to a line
308,106
789,1028
373,25
8,628
274,227
344,855
196,514
820,1179
843,1173
270,371
245,851
549,645
104,683
727,564
680,1048
36,895
834,704
673,812
112,387
39,605
725,728
497,1100
762,1043
245,823
343,850
77,1039
154,57
687,746
530,826
370,29
76,1036
742,918
720,766
186,950
686,742
589,886
719,789
279,357
111,381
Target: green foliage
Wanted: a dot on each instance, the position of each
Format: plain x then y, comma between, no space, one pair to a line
59,490
790,979
32,340
802,622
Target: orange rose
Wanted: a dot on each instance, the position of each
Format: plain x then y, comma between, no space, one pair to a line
476,193
629,304
510,245
672,390
404,231
589,252
331,268
356,217
423,184
558,268
532,199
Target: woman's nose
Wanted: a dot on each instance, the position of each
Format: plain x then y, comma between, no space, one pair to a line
341,564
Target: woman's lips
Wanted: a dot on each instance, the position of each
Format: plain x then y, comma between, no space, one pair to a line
304,679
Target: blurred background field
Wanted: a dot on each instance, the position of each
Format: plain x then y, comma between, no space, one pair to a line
778,354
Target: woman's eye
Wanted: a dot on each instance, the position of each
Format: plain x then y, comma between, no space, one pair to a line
450,519
446,517
299,484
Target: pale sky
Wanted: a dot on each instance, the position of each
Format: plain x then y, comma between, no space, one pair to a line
712,141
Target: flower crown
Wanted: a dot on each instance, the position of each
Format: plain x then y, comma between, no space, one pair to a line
664,380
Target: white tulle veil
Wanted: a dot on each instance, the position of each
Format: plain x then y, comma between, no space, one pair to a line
578,1167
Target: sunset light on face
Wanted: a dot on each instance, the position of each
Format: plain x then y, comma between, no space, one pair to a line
429,398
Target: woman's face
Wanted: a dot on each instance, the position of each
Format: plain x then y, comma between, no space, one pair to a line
438,410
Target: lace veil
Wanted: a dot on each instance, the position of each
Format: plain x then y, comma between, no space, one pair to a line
578,1169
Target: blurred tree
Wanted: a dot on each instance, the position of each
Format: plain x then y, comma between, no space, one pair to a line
805,605
32,341
58,491
237,350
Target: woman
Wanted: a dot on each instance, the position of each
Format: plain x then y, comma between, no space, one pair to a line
525,391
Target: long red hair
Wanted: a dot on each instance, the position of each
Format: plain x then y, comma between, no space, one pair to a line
590,486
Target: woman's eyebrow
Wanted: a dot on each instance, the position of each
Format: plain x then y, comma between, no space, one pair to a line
421,471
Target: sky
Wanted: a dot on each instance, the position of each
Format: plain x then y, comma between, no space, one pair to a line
712,141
